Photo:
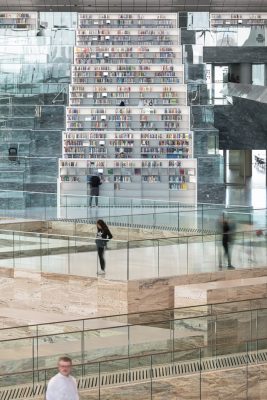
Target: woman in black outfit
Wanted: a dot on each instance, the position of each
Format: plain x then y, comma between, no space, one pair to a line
102,237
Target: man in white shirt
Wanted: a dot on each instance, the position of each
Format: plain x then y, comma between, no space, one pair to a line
62,386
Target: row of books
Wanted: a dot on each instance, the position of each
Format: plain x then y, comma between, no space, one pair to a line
126,80
88,23
87,164
126,135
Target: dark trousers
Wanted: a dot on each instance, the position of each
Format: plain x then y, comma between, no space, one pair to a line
101,255
227,251
94,193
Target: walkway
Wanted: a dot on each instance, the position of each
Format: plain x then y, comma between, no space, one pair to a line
143,259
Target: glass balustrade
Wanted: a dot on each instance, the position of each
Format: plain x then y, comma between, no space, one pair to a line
73,253
186,343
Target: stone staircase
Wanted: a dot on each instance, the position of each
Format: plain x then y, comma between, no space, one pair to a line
90,383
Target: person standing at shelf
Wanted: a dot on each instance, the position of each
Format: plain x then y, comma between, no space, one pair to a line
63,386
95,182
102,237
227,237
122,154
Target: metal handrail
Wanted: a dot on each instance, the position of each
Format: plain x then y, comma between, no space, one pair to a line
151,355
149,313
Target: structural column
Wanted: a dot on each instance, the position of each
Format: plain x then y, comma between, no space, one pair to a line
246,163
245,73
242,72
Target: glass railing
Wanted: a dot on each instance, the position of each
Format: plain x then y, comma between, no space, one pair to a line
55,37
112,345
127,259
201,220
248,92
33,116
228,36
146,213
203,94
187,255
41,252
188,373
36,88
21,170
208,94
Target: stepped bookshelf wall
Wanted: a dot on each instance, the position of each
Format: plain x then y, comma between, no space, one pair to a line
128,118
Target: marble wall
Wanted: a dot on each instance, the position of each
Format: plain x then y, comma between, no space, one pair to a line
242,126
156,294
230,54
112,297
85,230
23,225
73,297
30,297
119,232
220,292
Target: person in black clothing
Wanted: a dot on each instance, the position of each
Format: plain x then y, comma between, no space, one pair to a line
226,242
102,237
95,182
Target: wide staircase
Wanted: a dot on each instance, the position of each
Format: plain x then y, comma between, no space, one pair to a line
153,353
90,386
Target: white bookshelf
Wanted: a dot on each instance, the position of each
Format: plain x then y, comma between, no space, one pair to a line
18,20
237,19
121,74
147,95
176,175
139,36
128,117
149,54
127,20
133,144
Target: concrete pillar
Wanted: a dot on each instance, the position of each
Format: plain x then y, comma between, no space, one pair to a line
234,160
234,70
246,163
242,71
245,73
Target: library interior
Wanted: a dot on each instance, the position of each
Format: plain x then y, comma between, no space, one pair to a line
133,201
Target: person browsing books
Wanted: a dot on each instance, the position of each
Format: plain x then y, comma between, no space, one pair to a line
95,182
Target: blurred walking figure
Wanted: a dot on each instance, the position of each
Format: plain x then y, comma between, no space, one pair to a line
102,237
227,237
